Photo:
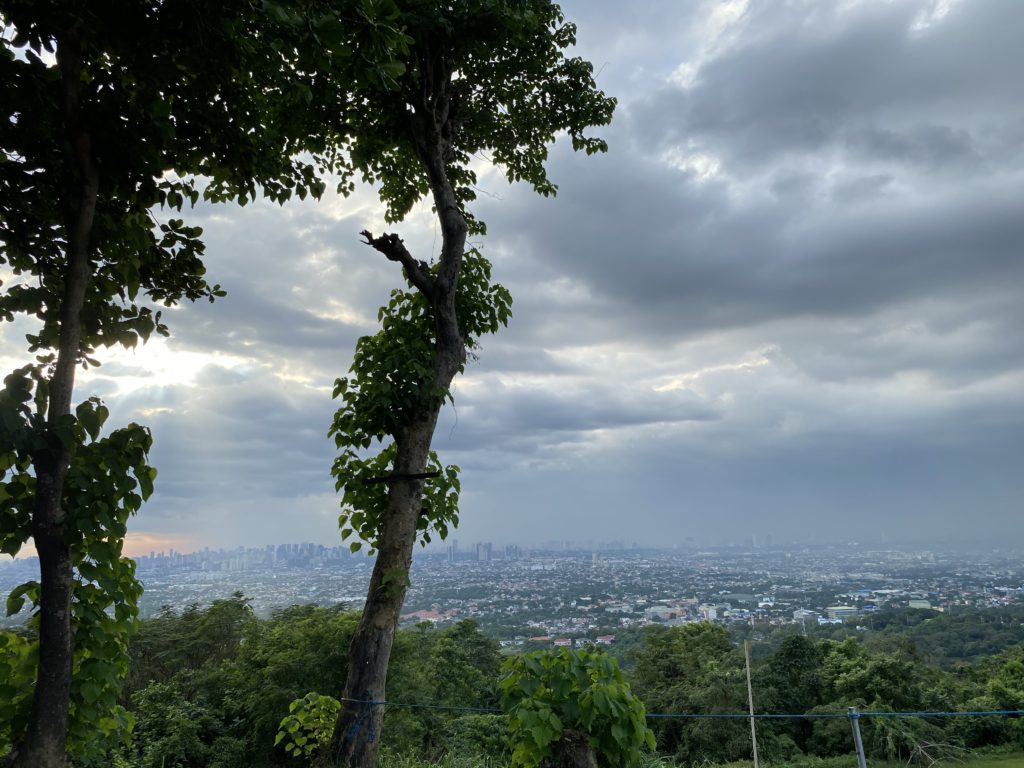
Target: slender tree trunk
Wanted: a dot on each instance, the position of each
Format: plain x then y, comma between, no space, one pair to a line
45,743
359,724
358,728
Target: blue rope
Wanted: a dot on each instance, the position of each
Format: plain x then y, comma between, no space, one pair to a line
694,716
738,716
488,710
825,715
365,716
985,713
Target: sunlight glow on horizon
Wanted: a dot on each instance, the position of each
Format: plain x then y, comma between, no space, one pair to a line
137,544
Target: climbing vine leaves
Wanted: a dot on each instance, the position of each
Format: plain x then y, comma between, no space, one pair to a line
107,481
392,377
307,727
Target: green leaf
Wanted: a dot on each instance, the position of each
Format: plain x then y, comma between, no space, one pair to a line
541,735
16,598
619,734
14,605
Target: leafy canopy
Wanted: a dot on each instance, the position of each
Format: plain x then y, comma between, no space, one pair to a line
495,74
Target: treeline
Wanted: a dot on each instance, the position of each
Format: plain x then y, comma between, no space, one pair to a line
698,669
208,688
942,639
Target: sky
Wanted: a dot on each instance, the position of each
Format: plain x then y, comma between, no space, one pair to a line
786,303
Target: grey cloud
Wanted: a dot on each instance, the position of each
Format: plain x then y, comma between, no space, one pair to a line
290,275
843,296
627,54
527,421
234,436
792,185
719,263
936,147
795,84
951,345
242,319
661,492
506,352
858,189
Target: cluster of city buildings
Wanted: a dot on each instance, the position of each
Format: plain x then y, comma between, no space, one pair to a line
580,596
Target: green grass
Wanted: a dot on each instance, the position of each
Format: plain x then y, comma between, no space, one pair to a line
386,760
990,760
998,760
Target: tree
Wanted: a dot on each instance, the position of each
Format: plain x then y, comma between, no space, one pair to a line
170,642
572,709
106,111
694,668
454,667
482,77
208,686
790,682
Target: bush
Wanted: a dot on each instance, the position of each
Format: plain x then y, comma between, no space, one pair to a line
564,703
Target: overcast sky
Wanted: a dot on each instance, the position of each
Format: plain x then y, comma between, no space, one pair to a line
787,302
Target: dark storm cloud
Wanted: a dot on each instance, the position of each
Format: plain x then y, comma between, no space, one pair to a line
524,419
753,261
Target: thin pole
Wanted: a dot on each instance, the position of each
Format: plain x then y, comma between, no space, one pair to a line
854,716
750,701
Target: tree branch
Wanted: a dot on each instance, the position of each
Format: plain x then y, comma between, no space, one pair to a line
394,250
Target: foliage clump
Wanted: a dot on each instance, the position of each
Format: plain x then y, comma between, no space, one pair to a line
567,702
392,376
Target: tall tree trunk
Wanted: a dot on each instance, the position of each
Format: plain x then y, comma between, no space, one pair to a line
45,743
359,725
357,731
572,750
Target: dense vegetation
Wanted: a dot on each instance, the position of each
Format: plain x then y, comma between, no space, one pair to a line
208,687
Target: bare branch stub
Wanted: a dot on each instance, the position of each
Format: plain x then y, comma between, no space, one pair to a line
393,248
